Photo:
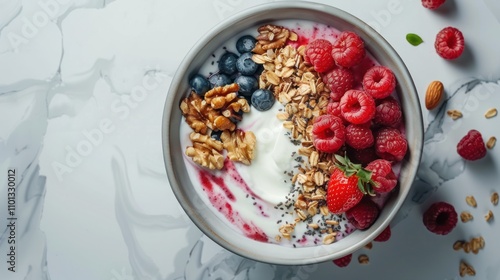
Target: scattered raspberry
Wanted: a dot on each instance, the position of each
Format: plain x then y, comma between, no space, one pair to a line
432,4
390,144
348,49
359,136
379,81
338,80
388,112
319,54
382,175
471,146
363,215
440,218
343,261
449,43
363,156
357,106
384,235
328,133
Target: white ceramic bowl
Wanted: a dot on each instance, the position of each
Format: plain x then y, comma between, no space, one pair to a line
184,190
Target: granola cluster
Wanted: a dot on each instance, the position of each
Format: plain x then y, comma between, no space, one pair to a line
304,96
218,110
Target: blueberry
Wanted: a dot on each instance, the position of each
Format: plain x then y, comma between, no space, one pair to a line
237,117
218,80
245,43
216,134
227,63
245,65
262,99
248,84
199,84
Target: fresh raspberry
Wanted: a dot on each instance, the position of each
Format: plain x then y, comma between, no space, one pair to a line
471,146
363,215
361,68
432,4
319,54
390,144
333,108
359,136
343,261
388,112
379,81
441,218
338,80
384,235
449,43
348,49
357,106
328,133
382,175
363,156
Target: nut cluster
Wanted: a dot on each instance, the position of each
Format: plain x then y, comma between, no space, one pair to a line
219,110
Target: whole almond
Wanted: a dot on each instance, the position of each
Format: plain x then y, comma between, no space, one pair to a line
433,95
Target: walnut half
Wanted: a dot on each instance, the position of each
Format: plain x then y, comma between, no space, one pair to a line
240,145
206,151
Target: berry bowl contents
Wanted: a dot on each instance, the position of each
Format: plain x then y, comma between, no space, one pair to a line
292,133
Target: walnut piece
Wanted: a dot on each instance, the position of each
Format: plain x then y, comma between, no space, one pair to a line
196,112
226,101
219,97
220,109
240,145
206,151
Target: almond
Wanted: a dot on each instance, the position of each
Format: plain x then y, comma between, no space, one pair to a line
434,94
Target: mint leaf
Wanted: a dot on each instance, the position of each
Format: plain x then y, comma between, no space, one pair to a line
414,39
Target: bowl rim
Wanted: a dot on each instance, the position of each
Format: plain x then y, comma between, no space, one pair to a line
318,253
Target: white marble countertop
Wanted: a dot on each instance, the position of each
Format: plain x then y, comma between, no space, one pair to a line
92,197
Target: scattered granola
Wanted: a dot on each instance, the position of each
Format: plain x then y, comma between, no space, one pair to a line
454,114
491,142
465,216
471,201
473,245
363,259
489,216
458,245
494,198
490,113
466,269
